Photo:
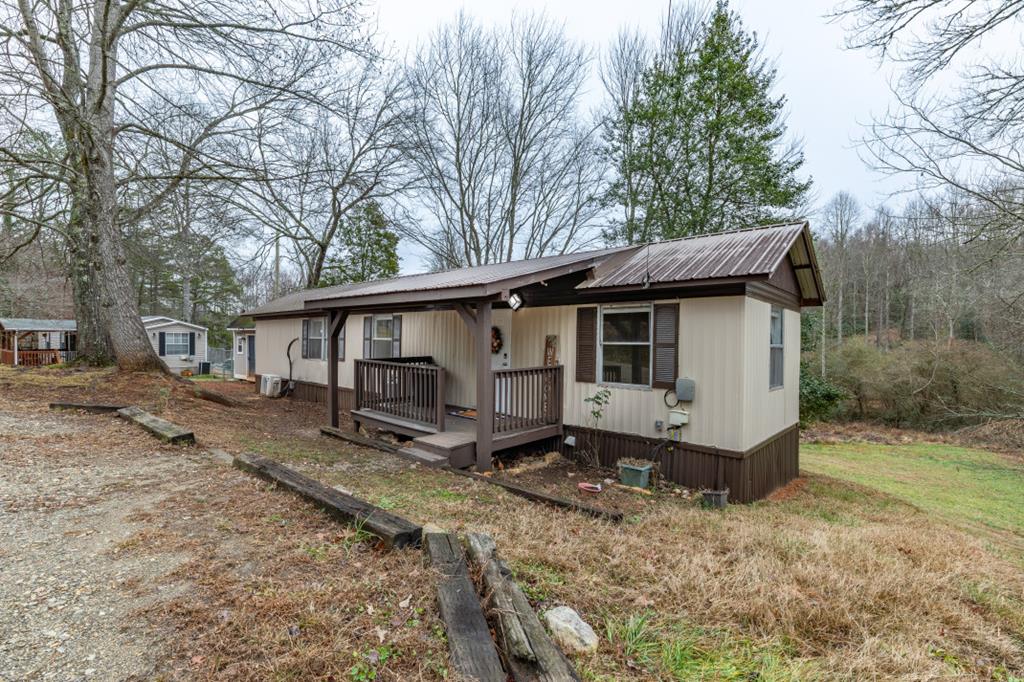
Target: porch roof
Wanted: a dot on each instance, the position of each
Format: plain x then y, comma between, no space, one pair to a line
26,324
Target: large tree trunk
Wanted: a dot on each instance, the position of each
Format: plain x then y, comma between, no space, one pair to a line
93,342
120,308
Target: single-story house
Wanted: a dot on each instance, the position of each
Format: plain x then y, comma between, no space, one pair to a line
695,342
34,342
181,345
243,347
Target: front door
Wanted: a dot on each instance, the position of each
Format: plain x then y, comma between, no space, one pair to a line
251,354
501,356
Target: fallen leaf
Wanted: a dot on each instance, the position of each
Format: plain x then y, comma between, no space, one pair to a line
404,604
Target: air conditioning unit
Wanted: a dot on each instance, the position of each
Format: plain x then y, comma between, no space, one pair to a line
267,384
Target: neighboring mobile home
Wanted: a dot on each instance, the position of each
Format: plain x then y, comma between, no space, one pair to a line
478,360
34,342
181,345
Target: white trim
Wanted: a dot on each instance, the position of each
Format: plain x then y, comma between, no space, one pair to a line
173,323
625,308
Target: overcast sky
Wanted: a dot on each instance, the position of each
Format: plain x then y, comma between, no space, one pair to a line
831,91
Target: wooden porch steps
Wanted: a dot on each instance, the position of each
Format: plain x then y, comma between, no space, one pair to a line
457,447
430,459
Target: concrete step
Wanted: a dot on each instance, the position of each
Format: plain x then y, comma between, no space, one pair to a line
428,458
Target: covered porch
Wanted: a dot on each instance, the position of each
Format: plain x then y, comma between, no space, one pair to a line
35,343
513,406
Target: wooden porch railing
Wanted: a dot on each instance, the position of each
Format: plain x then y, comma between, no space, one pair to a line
407,388
38,357
527,398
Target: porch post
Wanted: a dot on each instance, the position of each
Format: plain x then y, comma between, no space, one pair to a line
336,320
484,388
15,348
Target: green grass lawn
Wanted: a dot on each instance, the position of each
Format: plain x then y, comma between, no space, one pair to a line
975,489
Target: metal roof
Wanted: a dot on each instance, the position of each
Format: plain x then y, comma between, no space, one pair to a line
752,252
25,324
740,253
451,279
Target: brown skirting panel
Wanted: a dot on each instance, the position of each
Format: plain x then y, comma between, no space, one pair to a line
317,393
749,475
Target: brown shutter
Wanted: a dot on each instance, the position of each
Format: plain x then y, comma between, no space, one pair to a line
305,338
367,337
586,345
666,345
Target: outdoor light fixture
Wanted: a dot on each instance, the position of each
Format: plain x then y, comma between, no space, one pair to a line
515,301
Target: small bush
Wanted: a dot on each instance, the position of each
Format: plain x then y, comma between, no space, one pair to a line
819,398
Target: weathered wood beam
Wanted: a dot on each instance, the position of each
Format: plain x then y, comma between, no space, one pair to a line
529,652
467,316
393,530
161,428
537,496
473,654
87,407
337,320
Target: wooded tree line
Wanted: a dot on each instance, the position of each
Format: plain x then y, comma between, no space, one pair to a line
197,158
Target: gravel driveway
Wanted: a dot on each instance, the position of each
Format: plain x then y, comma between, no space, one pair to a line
71,486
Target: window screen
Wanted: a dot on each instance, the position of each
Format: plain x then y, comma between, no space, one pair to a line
383,335
315,344
176,343
626,345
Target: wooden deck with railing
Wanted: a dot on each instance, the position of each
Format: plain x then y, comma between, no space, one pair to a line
36,357
407,396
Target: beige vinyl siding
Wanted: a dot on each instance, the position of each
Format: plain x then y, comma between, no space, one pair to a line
710,345
442,335
723,346
768,411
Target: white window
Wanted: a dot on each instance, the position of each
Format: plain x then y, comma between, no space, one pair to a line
625,343
176,343
316,340
238,350
382,336
775,346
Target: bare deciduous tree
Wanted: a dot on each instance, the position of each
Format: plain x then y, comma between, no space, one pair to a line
510,167
104,74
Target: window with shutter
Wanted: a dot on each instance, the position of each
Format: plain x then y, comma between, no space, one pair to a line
625,345
586,345
341,342
666,345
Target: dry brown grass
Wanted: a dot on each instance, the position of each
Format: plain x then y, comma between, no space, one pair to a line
828,581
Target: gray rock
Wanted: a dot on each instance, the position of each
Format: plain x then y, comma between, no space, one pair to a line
570,631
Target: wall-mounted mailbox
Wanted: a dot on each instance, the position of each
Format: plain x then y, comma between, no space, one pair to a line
685,389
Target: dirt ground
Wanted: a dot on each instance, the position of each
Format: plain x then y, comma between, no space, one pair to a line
127,559
163,563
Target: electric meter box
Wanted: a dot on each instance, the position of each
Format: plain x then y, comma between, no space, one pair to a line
685,388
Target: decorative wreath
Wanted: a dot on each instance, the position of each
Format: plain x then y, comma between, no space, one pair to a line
497,343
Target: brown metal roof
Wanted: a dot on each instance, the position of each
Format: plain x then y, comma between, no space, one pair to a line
754,252
741,253
451,279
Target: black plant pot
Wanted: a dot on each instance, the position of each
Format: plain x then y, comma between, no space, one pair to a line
716,499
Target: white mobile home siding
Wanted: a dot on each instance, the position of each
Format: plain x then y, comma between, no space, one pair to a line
174,362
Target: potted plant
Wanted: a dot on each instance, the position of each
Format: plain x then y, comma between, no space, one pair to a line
635,472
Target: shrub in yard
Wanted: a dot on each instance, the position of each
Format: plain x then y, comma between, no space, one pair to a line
926,384
819,398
